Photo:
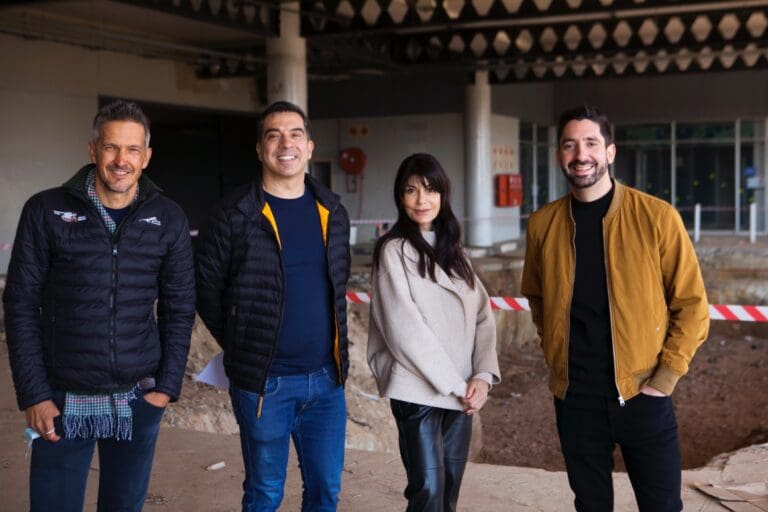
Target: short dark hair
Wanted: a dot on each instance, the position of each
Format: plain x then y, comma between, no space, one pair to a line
120,110
589,113
282,106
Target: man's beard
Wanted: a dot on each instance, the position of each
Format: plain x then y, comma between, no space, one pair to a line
588,180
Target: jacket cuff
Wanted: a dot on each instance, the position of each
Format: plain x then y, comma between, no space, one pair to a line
173,393
25,402
460,389
664,379
486,377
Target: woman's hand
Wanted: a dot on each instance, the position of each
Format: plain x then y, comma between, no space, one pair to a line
477,395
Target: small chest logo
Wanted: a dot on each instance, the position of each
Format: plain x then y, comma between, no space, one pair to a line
69,216
151,220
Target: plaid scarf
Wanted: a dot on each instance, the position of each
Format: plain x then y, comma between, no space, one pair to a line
99,416
90,187
102,415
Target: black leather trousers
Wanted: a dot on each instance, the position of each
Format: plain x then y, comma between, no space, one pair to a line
434,444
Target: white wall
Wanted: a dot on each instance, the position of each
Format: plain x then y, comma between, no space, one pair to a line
505,139
386,141
49,95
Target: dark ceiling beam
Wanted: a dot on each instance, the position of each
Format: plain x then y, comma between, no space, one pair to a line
645,65
628,35
528,14
218,13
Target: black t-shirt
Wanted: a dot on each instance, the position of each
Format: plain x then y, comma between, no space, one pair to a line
590,351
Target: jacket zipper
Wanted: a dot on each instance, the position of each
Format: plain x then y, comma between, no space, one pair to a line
113,309
115,252
570,304
337,327
277,331
113,298
610,315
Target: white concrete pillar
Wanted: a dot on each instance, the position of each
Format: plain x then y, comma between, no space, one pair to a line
287,59
478,178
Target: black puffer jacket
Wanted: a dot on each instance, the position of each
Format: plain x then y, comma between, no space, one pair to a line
80,303
240,281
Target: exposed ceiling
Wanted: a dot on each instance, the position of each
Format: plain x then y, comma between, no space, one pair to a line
517,40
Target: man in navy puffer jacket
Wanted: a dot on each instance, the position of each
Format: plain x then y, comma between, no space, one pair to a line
99,306
272,267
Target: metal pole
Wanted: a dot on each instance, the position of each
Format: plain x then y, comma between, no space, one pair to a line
697,222
737,176
752,223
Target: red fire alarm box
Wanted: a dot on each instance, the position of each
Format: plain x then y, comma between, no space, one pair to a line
509,190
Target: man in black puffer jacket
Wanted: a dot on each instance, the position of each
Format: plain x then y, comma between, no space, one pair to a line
99,306
272,268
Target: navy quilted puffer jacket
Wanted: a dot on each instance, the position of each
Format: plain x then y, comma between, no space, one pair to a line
240,281
88,311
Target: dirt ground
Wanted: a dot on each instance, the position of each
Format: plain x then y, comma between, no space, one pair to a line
721,405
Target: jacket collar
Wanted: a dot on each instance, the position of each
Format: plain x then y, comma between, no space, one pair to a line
76,183
443,279
618,195
252,202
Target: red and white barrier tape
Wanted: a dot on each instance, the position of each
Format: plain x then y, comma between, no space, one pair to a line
716,311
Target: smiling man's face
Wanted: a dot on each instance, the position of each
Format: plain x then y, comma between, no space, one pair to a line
284,148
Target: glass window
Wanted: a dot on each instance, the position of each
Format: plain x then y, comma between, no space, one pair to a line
643,158
705,131
645,167
747,129
705,175
752,168
526,169
535,180
542,172
643,133
526,131
542,135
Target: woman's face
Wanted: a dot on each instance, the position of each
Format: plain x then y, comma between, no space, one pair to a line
421,203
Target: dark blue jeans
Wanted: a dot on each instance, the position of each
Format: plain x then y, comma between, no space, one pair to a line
308,408
645,429
59,471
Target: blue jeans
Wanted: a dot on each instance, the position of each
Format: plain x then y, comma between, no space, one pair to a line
59,471
310,409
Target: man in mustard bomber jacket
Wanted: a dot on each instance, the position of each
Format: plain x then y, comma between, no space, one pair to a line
617,297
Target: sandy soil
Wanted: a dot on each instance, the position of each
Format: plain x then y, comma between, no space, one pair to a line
721,404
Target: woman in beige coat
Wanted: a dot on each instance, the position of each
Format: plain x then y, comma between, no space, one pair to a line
432,339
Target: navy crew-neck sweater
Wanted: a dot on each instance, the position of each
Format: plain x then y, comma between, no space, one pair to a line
305,340
590,350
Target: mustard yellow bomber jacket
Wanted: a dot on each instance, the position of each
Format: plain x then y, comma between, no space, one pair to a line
657,302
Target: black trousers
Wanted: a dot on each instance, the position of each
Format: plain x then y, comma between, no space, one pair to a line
645,428
434,444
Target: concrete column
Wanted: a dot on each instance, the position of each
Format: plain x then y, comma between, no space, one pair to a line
287,59
478,177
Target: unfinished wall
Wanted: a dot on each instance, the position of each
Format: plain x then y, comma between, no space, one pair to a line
386,141
49,95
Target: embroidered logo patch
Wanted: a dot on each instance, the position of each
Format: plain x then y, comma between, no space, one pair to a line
69,216
152,220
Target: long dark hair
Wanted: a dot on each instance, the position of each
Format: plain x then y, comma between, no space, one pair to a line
448,252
